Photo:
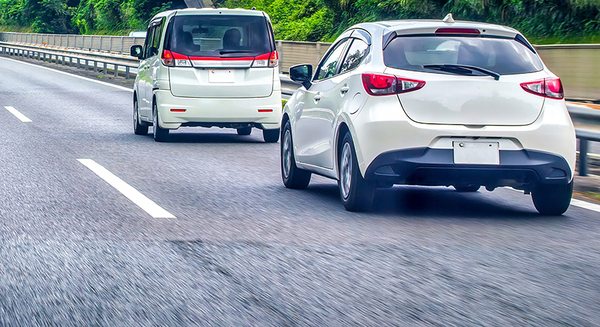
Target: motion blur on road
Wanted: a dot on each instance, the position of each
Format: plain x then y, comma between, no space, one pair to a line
80,247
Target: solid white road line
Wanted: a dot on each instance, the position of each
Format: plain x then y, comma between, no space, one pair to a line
18,114
132,194
575,202
72,75
585,205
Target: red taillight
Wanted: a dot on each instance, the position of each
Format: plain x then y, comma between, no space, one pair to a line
167,58
450,30
547,87
177,110
269,59
174,59
379,84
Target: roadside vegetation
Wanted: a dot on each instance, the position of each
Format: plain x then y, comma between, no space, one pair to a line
542,21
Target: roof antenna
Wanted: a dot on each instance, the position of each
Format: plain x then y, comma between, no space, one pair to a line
448,19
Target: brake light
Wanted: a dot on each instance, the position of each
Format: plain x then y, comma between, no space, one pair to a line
449,30
547,87
174,59
269,59
379,84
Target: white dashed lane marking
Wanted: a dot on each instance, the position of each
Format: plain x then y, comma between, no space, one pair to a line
18,114
132,194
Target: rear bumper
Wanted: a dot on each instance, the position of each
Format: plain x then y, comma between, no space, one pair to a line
225,112
522,169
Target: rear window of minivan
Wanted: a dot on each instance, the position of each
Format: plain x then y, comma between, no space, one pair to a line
221,36
501,55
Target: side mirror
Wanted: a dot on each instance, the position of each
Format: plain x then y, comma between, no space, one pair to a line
302,74
136,51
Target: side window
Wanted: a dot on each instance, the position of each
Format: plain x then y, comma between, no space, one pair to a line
330,64
355,55
148,43
153,39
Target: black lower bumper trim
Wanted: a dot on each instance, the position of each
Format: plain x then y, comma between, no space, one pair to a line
524,169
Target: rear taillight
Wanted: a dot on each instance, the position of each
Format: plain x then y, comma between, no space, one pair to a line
269,59
173,59
547,87
379,84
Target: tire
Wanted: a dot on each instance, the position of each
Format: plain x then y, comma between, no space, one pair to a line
292,176
552,200
271,135
355,192
139,128
244,130
160,134
468,188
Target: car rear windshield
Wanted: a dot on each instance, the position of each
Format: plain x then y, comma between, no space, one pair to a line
219,36
501,55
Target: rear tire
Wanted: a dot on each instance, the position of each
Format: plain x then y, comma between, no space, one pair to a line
139,127
244,130
292,176
355,192
552,200
160,134
271,135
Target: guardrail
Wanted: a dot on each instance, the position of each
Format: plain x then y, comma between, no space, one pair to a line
81,58
61,56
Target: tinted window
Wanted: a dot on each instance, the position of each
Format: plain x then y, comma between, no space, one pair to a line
503,56
220,36
152,42
356,53
329,65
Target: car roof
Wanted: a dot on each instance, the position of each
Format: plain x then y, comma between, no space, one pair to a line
209,11
429,26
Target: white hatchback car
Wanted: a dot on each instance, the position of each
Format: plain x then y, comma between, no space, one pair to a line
423,102
208,67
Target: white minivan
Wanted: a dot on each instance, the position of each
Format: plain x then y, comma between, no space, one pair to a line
208,67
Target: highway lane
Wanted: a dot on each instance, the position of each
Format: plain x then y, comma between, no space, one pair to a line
243,250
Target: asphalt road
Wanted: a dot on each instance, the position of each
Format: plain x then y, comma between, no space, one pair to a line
242,250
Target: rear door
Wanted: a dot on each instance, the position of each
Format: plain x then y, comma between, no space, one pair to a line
470,80
148,68
216,56
314,124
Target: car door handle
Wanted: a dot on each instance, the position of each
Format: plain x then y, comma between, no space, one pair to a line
344,90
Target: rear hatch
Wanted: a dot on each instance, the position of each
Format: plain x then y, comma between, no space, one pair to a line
470,78
220,55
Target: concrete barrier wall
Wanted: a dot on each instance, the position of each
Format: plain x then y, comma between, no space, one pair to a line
578,66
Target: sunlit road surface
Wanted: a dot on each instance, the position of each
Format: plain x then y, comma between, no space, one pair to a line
102,227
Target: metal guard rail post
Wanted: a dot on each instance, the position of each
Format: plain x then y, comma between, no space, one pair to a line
585,136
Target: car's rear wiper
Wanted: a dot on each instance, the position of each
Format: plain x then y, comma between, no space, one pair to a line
462,69
235,51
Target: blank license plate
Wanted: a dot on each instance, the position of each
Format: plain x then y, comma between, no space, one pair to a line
221,76
481,153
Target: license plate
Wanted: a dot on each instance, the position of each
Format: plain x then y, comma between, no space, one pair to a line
479,153
221,76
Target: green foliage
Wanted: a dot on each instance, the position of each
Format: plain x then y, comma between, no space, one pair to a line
538,19
542,21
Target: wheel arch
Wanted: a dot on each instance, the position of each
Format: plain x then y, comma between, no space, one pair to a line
339,137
